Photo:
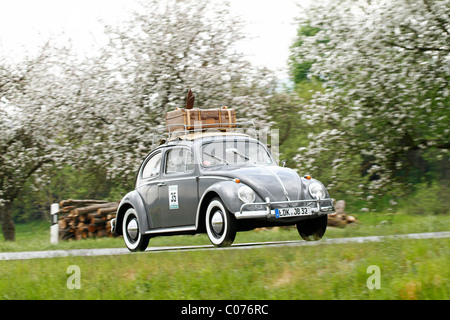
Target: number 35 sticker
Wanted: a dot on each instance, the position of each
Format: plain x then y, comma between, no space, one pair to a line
173,197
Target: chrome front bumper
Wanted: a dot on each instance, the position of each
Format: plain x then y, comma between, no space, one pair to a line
267,210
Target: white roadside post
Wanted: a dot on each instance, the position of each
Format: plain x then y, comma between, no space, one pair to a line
54,229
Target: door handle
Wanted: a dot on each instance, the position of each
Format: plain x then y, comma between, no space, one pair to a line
162,184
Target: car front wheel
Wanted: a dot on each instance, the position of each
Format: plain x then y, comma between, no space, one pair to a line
220,224
134,240
313,229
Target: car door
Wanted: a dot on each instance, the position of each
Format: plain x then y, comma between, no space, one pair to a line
148,188
178,193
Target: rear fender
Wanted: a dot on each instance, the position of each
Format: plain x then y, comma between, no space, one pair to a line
132,200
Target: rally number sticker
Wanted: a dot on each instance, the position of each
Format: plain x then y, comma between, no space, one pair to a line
173,197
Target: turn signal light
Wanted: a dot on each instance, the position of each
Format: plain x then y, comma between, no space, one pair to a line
308,177
237,180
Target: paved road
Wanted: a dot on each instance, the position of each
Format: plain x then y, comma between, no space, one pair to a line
238,246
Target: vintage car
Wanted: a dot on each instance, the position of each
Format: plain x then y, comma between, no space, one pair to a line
218,183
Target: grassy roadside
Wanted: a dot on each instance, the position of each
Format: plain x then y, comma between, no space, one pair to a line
410,269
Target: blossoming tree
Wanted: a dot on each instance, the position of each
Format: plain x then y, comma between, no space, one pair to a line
385,66
101,111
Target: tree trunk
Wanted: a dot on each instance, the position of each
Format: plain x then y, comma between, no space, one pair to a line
8,227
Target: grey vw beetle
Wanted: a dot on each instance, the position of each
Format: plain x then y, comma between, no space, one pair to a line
218,183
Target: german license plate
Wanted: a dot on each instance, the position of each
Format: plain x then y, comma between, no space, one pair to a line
292,212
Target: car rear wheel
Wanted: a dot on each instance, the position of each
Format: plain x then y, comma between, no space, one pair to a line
313,229
220,224
134,240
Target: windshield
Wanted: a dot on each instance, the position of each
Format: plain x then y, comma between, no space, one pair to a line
234,152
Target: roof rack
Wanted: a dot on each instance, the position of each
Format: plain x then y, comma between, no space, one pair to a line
235,127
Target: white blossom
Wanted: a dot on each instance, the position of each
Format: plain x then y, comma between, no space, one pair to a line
386,71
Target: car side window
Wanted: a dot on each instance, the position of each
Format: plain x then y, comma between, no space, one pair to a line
179,160
152,167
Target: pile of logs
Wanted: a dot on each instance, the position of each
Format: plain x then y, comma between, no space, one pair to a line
340,218
81,219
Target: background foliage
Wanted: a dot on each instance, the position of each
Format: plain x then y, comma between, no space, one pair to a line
383,113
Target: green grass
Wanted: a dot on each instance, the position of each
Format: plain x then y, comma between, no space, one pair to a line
410,269
36,236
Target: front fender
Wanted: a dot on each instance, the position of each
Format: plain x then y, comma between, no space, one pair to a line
134,200
306,183
227,191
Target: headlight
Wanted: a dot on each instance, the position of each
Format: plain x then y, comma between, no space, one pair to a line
246,194
316,190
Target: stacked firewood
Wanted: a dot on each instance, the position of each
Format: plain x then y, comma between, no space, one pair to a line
340,218
81,219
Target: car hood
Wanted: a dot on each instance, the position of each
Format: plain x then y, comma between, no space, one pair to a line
266,181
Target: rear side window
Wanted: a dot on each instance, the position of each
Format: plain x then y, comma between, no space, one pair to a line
152,167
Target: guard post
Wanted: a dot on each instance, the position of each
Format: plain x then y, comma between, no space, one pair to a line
54,229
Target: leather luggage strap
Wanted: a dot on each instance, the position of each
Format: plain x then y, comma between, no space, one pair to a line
187,116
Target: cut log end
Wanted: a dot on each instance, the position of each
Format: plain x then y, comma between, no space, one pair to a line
340,219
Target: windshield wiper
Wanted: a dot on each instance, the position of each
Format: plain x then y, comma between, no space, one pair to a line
217,158
234,150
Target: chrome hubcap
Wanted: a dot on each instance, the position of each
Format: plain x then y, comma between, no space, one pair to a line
132,229
217,222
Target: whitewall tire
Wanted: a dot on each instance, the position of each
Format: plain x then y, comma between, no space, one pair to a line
220,224
134,240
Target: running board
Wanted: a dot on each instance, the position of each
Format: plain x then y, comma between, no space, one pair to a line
174,229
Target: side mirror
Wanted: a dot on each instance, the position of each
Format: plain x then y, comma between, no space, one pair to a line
283,162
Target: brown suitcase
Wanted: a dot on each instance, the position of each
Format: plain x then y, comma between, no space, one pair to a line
189,119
